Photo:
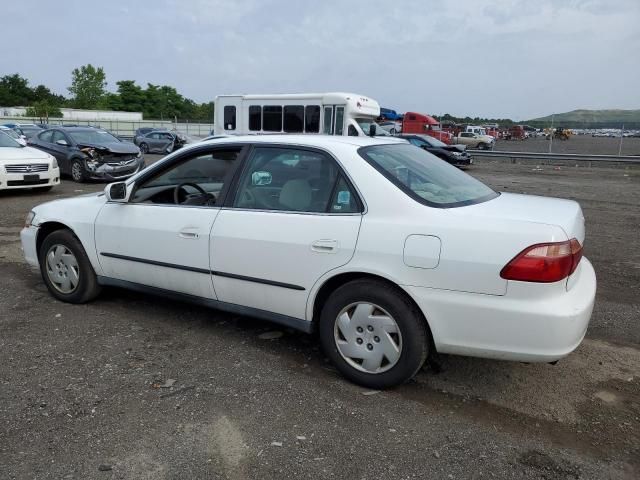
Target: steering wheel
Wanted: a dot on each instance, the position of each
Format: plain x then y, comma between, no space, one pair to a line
176,191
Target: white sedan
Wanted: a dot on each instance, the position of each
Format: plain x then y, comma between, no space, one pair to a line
385,250
26,167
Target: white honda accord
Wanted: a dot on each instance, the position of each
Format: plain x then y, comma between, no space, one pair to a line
386,251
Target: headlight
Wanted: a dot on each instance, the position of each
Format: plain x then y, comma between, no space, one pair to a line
54,162
29,220
92,164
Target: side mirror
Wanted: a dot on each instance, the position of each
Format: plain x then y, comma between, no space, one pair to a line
372,130
62,142
116,192
261,178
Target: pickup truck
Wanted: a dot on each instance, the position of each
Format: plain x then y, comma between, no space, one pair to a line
474,140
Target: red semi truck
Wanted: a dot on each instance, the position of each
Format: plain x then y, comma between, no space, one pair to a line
424,124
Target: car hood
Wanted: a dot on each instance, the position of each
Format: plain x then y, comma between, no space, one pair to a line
562,213
112,147
24,154
455,148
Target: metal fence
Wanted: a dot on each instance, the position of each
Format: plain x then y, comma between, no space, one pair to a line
577,157
124,128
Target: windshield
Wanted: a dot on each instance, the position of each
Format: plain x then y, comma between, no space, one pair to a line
12,133
426,178
365,125
93,136
7,141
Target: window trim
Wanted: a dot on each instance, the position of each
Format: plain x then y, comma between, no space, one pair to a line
341,171
410,193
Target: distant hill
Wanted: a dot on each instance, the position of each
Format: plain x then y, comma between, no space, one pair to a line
591,119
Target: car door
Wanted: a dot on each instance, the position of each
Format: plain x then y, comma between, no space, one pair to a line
61,151
160,237
294,217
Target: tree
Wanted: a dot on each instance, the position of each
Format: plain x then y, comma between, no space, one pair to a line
14,91
43,110
42,93
88,86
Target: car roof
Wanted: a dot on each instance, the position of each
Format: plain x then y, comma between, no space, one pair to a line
307,140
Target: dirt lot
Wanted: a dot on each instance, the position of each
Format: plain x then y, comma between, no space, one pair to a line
134,386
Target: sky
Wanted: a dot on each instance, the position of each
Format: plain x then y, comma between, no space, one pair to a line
501,59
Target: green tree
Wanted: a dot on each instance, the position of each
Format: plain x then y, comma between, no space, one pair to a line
43,110
42,93
14,91
88,85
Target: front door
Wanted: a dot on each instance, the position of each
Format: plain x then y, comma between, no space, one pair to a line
333,121
293,218
160,238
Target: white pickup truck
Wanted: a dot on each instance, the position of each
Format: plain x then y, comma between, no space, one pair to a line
474,140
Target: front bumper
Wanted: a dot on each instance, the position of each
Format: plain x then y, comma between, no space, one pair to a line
14,181
112,172
531,323
28,237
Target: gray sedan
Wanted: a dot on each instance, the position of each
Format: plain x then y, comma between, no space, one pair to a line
159,141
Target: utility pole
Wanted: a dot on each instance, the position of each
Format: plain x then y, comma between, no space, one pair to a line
551,133
621,135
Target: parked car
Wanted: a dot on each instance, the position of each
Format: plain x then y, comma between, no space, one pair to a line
13,134
89,153
389,114
160,141
474,140
392,127
143,131
27,130
388,252
454,154
25,167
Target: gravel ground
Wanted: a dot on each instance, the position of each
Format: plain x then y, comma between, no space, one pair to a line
133,386
584,144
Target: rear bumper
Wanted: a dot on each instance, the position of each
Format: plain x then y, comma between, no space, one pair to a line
14,181
531,323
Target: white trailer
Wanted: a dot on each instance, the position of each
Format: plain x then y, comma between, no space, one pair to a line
301,113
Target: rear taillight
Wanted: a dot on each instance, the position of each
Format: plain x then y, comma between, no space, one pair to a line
544,262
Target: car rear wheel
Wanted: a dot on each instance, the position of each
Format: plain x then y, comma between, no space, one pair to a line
77,171
66,269
373,334
144,148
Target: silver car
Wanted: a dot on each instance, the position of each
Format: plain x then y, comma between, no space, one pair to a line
159,141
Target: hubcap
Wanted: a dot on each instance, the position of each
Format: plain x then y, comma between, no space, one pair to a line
62,269
367,337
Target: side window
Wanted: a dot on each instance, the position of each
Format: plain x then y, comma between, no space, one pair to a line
416,142
46,136
197,180
339,121
312,119
288,179
272,118
58,135
229,117
344,200
352,131
293,118
255,118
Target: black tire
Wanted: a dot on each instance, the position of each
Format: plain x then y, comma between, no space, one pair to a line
42,189
144,148
87,288
410,322
78,173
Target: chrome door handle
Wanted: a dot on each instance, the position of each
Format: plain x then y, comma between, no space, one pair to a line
325,246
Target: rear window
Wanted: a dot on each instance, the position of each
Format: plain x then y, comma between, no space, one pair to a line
426,178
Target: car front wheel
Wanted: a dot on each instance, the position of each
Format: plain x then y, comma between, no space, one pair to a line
373,334
77,171
144,148
66,269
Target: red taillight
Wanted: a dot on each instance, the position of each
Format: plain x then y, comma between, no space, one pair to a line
544,262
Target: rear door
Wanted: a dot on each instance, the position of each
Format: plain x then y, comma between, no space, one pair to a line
294,217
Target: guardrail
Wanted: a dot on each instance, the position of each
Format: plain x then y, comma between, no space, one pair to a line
578,157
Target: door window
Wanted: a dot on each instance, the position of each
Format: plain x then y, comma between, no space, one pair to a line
58,135
352,131
327,128
339,121
291,180
198,180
